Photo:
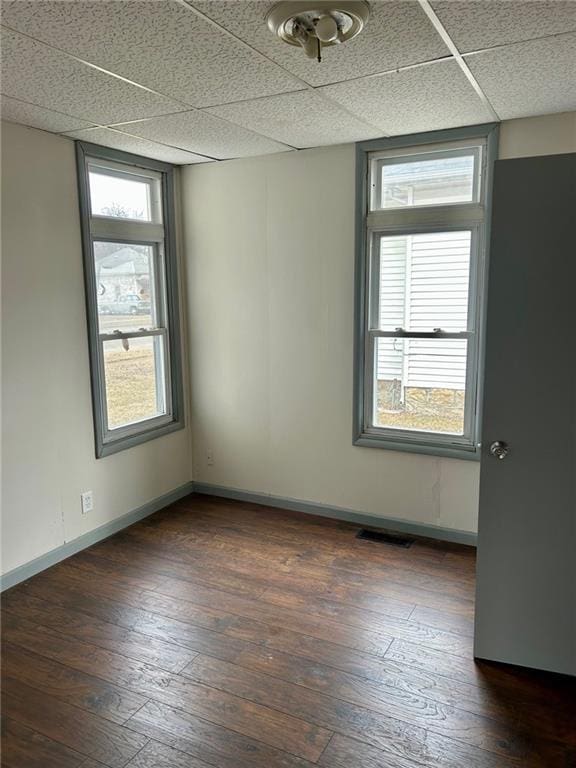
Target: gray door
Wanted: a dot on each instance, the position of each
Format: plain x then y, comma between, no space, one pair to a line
526,582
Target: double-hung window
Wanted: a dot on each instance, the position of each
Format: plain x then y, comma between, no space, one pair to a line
131,295
421,267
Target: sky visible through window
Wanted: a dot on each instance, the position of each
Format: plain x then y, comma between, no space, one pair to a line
114,196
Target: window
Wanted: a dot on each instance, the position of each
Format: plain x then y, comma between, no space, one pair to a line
131,295
421,268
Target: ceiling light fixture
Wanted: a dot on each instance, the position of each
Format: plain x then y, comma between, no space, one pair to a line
318,23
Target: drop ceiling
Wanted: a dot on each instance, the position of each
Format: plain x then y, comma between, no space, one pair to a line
191,81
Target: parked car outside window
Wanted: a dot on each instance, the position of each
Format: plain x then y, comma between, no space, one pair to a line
129,304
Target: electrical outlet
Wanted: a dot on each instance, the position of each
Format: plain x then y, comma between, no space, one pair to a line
87,501
210,457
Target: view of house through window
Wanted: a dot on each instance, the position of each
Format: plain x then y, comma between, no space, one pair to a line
420,181
134,365
421,382
423,262
130,300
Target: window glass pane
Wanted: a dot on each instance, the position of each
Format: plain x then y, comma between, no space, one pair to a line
118,196
125,282
423,281
417,182
419,384
135,380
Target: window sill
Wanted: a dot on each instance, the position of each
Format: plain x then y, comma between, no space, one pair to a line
129,441
452,451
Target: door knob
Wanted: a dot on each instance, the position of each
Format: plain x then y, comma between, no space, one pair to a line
499,449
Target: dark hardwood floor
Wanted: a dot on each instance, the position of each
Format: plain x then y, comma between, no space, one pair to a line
224,634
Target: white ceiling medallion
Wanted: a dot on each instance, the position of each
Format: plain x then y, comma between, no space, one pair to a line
318,23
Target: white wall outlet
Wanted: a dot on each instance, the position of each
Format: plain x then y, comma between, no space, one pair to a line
210,457
87,501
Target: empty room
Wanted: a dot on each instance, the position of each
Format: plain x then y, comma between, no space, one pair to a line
288,383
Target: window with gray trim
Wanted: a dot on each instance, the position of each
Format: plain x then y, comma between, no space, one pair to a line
421,268
126,206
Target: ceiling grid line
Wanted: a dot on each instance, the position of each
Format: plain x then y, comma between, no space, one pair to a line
442,31
58,111
392,71
95,126
89,63
75,134
152,141
539,39
109,127
318,88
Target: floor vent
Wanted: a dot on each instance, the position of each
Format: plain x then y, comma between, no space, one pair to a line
384,538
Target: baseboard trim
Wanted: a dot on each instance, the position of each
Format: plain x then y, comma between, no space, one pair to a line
27,570
60,553
340,513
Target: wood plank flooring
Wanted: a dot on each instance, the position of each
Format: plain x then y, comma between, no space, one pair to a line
219,634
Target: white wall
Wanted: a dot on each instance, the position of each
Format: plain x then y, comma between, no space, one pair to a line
48,448
270,270
543,135
270,256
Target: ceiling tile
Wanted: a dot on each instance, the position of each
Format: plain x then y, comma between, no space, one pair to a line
414,100
38,74
117,140
204,133
302,119
475,24
529,78
38,117
161,44
397,33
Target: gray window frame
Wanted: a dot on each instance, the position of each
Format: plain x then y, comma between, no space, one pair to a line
475,218
163,240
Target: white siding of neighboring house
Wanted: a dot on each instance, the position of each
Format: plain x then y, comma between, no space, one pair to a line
434,296
392,303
